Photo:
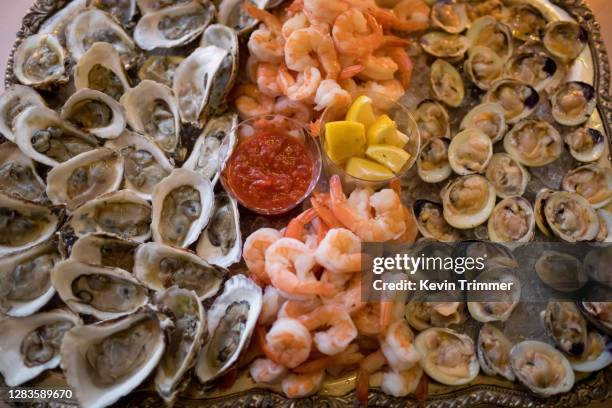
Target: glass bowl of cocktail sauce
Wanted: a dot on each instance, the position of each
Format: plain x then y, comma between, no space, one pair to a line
275,165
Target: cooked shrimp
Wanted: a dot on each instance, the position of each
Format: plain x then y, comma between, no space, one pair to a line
264,370
397,346
293,109
310,47
267,42
349,295
251,102
290,264
297,308
356,33
340,251
378,67
404,64
369,365
272,302
296,228
295,22
324,10
359,199
254,252
348,357
252,64
330,94
339,329
302,385
287,343
401,383
322,205
267,74
411,224
387,223
302,88
407,15
367,319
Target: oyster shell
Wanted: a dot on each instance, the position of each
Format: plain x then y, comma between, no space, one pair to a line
148,6
232,14
105,250
432,163
31,345
512,220
535,69
446,83
221,242
91,26
173,26
444,45
213,147
145,164
43,136
560,271
184,339
18,176
100,69
573,103
122,10
596,356
104,293
533,143
25,286
24,223
505,301
467,201
449,16
432,119
39,61
13,101
517,98
182,205
160,266
122,213
493,349
566,326
488,32
105,361
525,21
469,152
57,23
95,112
508,177
436,347
160,68
489,118
231,321
483,66
193,81
565,39
592,182
85,177
570,217
431,223
585,144
541,368
151,109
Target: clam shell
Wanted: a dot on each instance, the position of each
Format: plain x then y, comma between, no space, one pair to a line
465,152
509,210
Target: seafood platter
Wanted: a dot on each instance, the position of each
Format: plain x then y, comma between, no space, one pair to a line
185,186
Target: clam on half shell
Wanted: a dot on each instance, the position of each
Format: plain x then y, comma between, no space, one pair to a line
469,152
432,120
493,349
533,143
432,163
569,216
103,362
468,201
13,101
560,271
592,182
435,343
535,69
490,33
541,368
596,356
31,345
449,16
431,222
505,301
483,66
18,176
444,45
231,321
446,83
512,220
565,39
566,326
508,177
573,103
599,314
517,98
525,21
586,144
489,118
422,315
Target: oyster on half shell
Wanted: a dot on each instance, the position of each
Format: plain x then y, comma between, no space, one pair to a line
105,250
100,69
95,112
122,10
18,176
160,68
13,101
39,61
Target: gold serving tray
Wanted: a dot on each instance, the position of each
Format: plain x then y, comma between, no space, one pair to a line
591,67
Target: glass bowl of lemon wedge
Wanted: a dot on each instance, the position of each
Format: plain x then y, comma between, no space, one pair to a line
370,142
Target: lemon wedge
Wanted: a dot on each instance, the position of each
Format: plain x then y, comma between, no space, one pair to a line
382,129
398,139
362,111
367,170
390,156
344,139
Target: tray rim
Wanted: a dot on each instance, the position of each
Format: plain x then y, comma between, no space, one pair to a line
598,387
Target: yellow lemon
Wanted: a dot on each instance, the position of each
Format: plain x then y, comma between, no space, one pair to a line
390,156
361,111
367,170
398,139
344,139
382,130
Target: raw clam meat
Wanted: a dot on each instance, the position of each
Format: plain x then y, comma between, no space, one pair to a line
160,267
469,152
18,177
85,177
517,98
586,144
495,305
105,250
432,119
13,101
488,32
31,345
39,61
512,220
535,69
446,83
560,271
525,21
565,39
423,315
533,143
231,321
100,69
573,103
95,112
508,176
105,361
566,326
25,284
489,118
431,222
104,293
432,163
569,216
444,45
182,206
468,201
541,368
592,182
596,356
483,66
221,242
493,349
449,16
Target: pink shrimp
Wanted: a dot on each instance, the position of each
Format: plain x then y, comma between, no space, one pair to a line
401,383
267,79
324,10
337,363
297,308
297,226
302,88
287,342
340,251
404,64
266,43
356,33
398,346
310,47
348,297
407,15
272,302
331,95
297,21
254,251
339,330
378,67
321,202
264,370
302,385
369,365
293,109
251,102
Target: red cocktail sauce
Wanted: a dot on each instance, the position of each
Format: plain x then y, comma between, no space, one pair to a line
270,171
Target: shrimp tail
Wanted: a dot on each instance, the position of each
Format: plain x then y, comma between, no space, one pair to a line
350,71
386,315
421,389
260,335
388,19
395,41
295,228
323,211
262,15
339,205
315,127
404,63
362,386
